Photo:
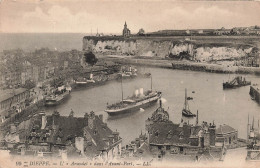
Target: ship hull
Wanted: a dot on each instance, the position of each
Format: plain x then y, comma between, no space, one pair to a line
82,85
132,108
58,100
230,86
188,114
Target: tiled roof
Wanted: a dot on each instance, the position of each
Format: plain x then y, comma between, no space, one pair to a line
67,127
101,134
225,129
169,133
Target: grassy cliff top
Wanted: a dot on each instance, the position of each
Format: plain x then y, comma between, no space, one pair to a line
211,41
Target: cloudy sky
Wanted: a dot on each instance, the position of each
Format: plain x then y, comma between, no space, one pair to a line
82,16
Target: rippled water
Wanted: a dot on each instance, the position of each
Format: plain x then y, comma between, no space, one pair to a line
223,106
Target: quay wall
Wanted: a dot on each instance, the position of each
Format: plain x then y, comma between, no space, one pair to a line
186,65
203,49
255,93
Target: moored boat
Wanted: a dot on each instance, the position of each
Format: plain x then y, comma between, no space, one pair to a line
127,73
186,111
236,82
59,95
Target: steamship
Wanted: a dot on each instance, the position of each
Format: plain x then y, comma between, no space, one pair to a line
139,100
134,103
58,95
84,81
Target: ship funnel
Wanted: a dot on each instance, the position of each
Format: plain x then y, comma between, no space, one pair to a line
136,92
91,76
141,91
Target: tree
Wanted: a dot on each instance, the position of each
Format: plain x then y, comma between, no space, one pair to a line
90,58
141,32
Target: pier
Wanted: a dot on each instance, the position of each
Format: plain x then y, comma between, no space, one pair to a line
255,93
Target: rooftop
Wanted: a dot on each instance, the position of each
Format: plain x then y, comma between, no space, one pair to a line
9,93
225,129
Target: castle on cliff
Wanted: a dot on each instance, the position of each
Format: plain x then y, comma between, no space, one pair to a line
126,31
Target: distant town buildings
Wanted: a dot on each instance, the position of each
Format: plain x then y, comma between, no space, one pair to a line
126,31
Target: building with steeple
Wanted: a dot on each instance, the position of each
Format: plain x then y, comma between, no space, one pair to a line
126,31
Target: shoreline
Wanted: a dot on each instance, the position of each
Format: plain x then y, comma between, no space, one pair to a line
185,65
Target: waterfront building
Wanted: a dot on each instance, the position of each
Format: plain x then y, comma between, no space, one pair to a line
226,135
12,99
165,139
126,31
86,137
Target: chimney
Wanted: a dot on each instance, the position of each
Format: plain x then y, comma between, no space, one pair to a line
116,135
101,117
91,119
197,118
13,129
44,121
136,93
55,116
160,103
79,144
212,134
141,91
86,119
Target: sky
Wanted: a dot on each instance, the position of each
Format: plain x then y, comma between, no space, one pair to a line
108,16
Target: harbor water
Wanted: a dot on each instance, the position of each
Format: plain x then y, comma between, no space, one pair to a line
230,107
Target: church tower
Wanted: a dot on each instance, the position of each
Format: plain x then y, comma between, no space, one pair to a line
126,31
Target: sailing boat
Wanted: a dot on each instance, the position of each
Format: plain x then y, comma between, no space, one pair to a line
139,100
186,111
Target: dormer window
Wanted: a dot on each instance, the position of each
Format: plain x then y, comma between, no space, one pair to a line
181,135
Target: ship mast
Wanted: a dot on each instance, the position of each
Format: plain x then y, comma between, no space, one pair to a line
151,83
122,87
185,102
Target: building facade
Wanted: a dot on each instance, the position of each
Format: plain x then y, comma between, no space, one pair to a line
12,99
226,135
